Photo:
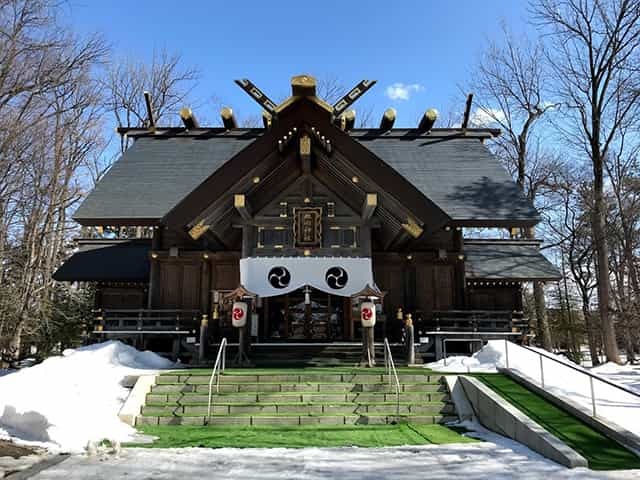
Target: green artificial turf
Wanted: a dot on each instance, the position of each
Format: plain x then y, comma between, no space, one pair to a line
300,436
601,452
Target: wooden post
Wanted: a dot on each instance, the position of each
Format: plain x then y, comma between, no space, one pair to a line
241,358
151,121
204,336
368,348
467,111
411,350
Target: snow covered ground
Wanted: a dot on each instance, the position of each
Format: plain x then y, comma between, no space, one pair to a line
505,460
628,375
66,401
613,404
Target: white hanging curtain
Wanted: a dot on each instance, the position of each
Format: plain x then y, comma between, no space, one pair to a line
271,276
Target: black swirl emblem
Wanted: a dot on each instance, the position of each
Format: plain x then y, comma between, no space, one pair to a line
279,277
336,277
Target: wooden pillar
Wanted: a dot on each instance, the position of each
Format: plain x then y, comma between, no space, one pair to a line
460,294
368,347
205,286
411,350
154,269
248,240
204,337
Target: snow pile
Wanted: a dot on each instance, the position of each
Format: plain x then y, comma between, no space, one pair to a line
486,360
613,404
66,401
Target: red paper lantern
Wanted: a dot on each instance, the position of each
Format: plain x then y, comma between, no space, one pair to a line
368,314
239,314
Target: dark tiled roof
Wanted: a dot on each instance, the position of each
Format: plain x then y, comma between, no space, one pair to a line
107,262
154,174
457,173
507,260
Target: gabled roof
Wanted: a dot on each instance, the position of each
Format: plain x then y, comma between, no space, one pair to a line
453,170
107,261
155,173
458,173
507,260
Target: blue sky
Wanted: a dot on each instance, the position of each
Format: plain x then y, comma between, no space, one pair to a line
428,46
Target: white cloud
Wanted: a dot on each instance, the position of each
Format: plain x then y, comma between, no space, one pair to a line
400,91
486,117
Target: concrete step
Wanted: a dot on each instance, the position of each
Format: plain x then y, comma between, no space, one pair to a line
380,397
293,419
301,409
297,387
204,379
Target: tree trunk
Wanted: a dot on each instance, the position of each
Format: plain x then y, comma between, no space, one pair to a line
591,338
602,266
543,330
541,316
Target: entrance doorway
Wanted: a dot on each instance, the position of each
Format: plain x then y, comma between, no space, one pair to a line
307,315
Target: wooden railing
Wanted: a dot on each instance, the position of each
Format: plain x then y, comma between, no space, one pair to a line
480,321
145,320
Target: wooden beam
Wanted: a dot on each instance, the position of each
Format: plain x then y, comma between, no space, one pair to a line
188,118
255,93
241,204
355,93
427,120
228,118
388,119
150,118
369,206
467,111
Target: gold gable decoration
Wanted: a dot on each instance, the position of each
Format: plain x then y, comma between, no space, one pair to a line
413,228
307,227
198,230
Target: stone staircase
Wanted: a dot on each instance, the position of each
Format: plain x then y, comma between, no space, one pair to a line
363,397
291,355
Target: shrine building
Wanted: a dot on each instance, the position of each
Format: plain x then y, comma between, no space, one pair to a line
305,218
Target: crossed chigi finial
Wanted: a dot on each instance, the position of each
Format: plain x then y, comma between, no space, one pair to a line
271,108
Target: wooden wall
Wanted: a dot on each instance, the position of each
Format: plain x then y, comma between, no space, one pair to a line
495,298
186,281
421,284
121,297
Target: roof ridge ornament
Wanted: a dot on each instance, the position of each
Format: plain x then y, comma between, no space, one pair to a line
354,94
255,93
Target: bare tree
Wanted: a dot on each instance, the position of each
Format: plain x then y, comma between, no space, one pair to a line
508,87
165,78
595,55
49,120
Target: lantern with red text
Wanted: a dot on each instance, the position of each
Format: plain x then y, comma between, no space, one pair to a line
239,314
368,314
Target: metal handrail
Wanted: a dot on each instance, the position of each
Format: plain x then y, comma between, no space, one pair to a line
218,368
577,369
390,367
